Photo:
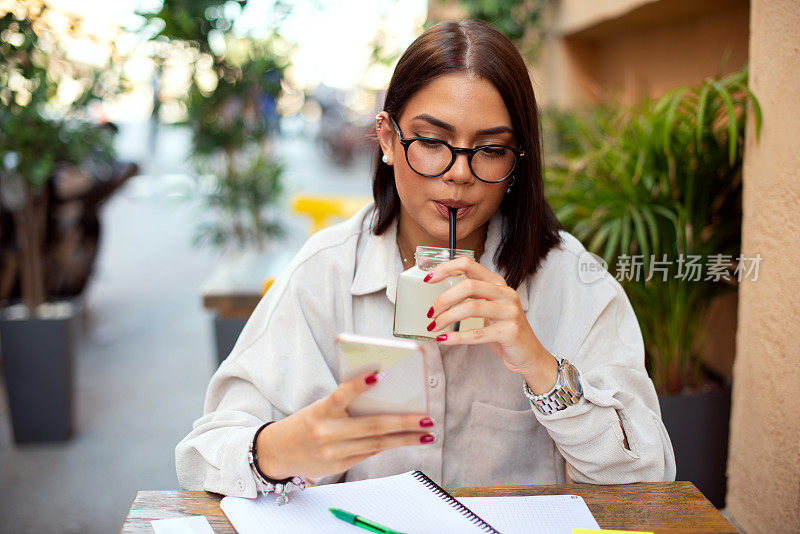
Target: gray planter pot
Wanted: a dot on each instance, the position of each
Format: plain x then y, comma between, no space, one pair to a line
37,358
698,426
226,333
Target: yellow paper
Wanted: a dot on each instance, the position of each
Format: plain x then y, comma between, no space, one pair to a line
593,531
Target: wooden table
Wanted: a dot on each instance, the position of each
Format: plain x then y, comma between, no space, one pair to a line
668,507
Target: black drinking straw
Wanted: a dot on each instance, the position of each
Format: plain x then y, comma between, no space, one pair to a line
453,212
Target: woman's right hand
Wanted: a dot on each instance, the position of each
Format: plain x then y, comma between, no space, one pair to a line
322,439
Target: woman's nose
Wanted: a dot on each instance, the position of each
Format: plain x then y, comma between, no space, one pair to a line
460,173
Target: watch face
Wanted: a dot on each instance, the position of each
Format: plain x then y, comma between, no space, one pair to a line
574,379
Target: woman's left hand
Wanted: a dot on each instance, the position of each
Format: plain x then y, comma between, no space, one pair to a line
506,331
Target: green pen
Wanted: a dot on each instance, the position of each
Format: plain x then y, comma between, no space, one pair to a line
359,521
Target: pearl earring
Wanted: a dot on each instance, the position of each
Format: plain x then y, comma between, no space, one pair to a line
385,158
510,183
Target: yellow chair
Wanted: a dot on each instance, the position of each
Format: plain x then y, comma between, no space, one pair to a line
323,208
267,284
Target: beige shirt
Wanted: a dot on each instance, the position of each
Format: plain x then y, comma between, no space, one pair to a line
343,280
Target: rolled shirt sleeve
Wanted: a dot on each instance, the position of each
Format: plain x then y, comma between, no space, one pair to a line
617,394
213,456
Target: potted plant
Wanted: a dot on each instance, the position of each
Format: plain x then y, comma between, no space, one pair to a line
40,138
656,192
231,108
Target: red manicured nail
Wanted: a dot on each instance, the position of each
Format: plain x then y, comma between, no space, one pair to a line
442,337
371,379
428,276
430,312
427,438
431,326
427,421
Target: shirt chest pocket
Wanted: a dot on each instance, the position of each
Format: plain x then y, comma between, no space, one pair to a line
507,447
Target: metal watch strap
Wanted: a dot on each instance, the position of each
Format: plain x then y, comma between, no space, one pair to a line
558,398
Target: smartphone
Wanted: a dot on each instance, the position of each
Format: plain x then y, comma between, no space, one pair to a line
403,376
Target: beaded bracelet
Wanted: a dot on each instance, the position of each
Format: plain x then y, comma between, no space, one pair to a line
282,487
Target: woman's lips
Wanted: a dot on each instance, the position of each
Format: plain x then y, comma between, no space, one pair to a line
444,211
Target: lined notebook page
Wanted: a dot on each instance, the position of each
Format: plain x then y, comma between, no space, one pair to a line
400,502
545,514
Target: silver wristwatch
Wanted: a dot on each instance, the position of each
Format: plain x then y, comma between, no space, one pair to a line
566,392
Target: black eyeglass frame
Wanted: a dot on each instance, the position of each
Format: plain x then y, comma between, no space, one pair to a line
454,151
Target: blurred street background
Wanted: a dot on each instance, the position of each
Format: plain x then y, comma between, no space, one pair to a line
144,345
162,160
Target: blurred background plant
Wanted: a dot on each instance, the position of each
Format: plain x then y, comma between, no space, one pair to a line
230,106
522,21
661,180
239,200
53,150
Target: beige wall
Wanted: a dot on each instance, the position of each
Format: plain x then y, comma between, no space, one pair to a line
577,15
627,50
764,455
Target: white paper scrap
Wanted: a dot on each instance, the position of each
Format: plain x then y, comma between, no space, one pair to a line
196,524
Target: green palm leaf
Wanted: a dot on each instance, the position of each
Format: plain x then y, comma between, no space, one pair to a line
732,130
660,178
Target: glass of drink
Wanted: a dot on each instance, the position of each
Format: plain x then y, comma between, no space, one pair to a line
415,297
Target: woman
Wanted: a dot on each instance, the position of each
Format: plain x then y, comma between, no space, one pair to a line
553,385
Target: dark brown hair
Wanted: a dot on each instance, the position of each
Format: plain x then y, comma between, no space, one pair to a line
530,227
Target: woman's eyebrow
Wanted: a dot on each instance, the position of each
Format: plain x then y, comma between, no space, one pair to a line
450,128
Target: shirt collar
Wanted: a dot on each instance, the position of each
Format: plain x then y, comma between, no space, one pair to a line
380,262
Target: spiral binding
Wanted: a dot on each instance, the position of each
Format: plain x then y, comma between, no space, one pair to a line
463,510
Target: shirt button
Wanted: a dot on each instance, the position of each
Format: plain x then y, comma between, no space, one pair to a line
432,381
240,484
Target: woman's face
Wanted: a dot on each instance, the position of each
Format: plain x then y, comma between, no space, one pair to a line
455,108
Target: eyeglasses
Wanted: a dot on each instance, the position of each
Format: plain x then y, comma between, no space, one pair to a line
433,157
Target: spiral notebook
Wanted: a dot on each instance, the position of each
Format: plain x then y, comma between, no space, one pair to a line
410,502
